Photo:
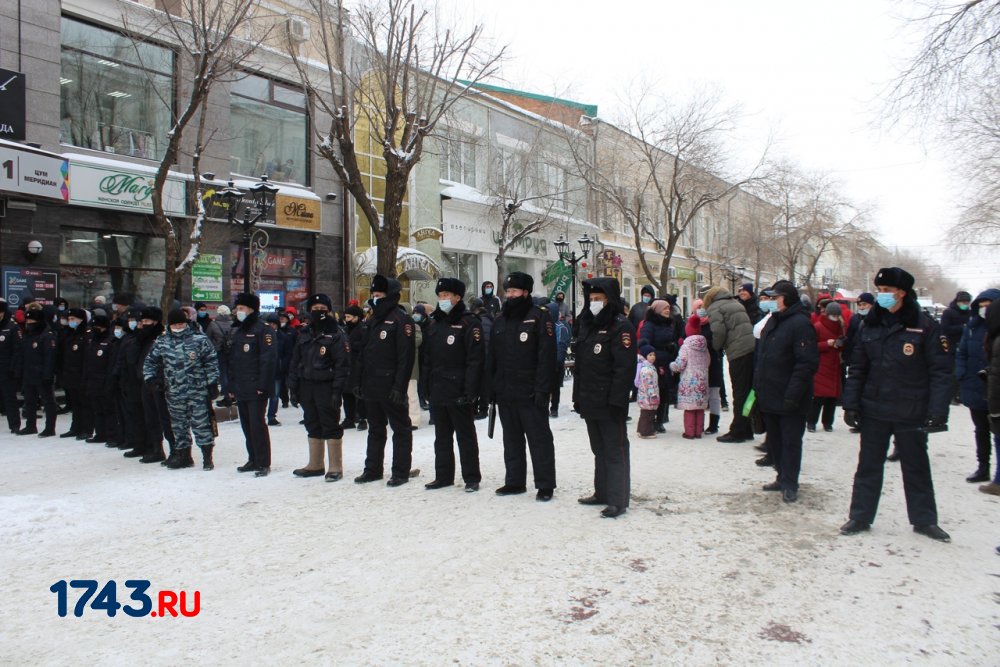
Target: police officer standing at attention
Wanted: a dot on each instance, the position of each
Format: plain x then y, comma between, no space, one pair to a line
454,356
253,363
381,378
898,385
317,376
522,377
10,366
605,370
38,354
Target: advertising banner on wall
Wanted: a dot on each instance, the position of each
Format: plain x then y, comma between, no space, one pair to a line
21,283
33,174
108,186
297,213
206,278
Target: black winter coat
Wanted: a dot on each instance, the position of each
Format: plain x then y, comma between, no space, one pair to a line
388,352
953,320
661,333
98,365
128,367
10,350
787,359
320,356
901,369
72,359
522,355
970,357
605,357
38,352
253,360
455,354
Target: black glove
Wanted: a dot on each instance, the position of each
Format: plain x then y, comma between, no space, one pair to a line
465,400
335,400
154,384
983,375
541,400
397,397
357,392
852,418
789,405
213,392
936,423
293,397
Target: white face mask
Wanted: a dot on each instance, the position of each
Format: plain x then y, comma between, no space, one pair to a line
596,307
982,311
241,315
179,330
863,311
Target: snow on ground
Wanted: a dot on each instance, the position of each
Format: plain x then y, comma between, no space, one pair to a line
704,569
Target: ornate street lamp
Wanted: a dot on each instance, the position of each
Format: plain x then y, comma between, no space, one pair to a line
263,195
562,248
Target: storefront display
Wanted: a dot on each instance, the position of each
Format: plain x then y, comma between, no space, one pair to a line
283,270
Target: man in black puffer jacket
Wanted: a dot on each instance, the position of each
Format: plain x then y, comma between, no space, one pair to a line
455,353
786,360
898,386
605,371
521,366
381,377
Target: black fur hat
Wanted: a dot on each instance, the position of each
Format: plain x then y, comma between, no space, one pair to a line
380,284
319,299
895,277
518,280
249,300
453,285
151,313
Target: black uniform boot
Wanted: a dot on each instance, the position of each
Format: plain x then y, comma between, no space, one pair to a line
713,424
981,475
181,459
206,457
362,424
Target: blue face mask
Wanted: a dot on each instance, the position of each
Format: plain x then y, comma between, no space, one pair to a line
241,315
886,300
203,313
72,324
701,312
445,305
373,301
646,298
768,306
119,333
488,291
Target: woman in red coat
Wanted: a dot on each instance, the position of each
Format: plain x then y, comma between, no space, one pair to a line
826,383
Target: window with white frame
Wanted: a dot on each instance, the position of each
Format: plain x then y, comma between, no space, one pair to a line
458,159
553,185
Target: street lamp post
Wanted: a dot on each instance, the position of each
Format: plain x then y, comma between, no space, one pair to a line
562,247
734,276
263,194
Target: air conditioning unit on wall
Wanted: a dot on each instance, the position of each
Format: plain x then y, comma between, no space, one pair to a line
298,29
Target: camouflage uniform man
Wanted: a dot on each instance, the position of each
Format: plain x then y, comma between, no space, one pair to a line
190,370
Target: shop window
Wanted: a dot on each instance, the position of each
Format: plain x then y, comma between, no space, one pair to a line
284,273
115,94
269,126
465,267
104,264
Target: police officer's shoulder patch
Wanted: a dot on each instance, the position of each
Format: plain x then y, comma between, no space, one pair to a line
944,343
548,330
347,346
408,330
626,340
477,335
268,339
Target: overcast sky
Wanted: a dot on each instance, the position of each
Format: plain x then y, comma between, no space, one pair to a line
809,73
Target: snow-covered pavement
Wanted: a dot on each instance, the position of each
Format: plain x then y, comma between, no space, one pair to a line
704,569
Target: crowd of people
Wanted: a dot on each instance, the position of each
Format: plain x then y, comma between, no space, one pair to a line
134,379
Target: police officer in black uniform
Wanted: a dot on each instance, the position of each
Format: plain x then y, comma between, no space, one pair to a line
382,377
317,376
128,371
604,374
72,355
253,362
898,386
454,354
10,366
354,407
97,378
156,417
522,363
38,356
